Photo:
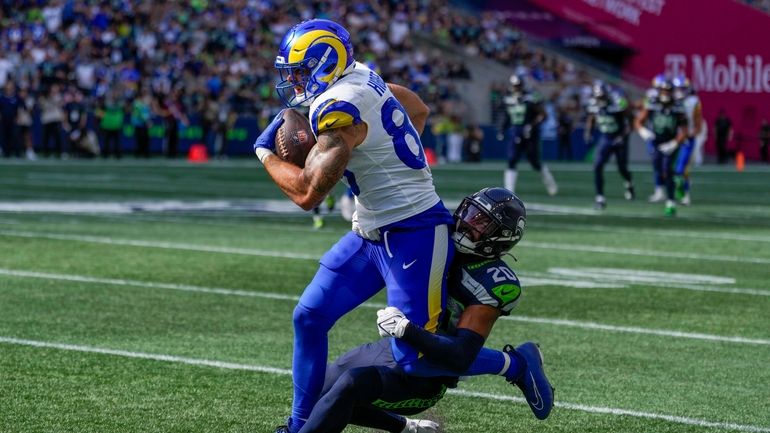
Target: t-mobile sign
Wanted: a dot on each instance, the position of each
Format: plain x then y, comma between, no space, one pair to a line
721,45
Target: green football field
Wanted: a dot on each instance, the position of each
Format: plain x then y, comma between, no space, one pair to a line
157,297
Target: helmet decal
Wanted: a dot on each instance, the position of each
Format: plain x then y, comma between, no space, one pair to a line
312,56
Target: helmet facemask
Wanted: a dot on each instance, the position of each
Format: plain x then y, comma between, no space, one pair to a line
483,229
298,85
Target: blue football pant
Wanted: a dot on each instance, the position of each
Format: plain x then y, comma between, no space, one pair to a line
604,151
664,164
518,146
411,263
683,161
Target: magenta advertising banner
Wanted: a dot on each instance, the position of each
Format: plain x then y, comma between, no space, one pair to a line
723,46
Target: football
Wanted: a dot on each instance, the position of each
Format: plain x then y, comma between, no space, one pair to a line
294,138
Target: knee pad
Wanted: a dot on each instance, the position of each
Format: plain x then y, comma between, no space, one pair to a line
308,319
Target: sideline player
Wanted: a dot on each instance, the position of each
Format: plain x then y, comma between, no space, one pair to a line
524,115
691,104
668,132
365,387
608,113
368,134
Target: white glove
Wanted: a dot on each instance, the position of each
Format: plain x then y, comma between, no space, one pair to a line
420,426
373,235
668,147
646,134
527,131
391,322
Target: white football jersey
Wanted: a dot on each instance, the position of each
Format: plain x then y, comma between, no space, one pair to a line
690,103
388,172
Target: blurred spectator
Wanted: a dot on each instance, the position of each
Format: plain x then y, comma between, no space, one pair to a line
564,133
75,122
111,116
24,122
764,140
9,108
141,120
51,117
454,139
201,57
723,131
474,137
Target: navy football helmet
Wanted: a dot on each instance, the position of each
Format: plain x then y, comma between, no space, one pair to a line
489,223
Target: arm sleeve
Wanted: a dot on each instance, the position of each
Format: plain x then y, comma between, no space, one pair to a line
454,353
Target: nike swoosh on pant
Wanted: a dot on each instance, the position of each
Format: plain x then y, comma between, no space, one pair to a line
407,266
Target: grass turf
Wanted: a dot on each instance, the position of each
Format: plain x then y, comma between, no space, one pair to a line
220,286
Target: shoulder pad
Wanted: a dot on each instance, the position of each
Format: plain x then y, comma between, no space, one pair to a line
334,113
489,282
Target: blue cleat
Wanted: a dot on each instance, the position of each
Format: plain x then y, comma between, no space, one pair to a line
282,429
533,382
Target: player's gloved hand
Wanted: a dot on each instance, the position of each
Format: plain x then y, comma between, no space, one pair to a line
526,132
420,426
646,134
373,235
391,322
587,138
265,143
668,147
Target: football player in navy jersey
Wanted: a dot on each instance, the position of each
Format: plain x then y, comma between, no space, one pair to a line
669,130
524,113
608,114
366,387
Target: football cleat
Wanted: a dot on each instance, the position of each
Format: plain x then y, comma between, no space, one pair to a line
550,183
629,194
600,203
420,426
533,382
318,222
657,196
670,209
679,191
282,429
685,199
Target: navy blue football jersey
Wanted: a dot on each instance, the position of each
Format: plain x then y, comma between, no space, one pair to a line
486,282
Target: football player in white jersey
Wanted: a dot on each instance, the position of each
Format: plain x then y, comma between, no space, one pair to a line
685,94
368,135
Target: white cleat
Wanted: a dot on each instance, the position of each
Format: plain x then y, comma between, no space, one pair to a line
657,196
420,426
549,181
685,200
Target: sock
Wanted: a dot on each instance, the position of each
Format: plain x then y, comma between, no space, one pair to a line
496,363
509,178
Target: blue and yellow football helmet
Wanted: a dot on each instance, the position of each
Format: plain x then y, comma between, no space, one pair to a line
312,56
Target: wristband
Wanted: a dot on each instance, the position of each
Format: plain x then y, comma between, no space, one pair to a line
263,153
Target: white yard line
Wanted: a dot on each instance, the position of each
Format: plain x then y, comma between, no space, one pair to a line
268,253
278,296
162,245
463,393
680,233
646,253
622,412
637,330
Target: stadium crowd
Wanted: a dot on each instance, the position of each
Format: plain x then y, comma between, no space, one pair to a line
76,70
